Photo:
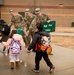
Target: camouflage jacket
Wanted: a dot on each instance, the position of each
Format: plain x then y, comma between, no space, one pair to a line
29,21
39,19
17,21
42,18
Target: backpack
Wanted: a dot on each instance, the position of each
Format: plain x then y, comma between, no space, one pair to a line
44,44
15,46
5,29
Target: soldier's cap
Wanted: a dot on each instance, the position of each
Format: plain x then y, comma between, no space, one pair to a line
37,9
10,10
27,10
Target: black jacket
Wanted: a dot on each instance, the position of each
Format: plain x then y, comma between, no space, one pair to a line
35,40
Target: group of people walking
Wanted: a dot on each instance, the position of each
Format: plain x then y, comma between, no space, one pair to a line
28,23
26,30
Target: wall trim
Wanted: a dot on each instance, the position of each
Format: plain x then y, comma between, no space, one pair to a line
44,7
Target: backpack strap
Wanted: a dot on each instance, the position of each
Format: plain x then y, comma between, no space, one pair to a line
37,46
12,41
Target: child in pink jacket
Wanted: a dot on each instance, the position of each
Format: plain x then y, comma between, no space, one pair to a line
14,58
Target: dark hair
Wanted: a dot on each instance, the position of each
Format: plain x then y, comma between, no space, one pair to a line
12,33
39,26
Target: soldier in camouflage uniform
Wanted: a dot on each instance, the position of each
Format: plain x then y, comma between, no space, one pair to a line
41,17
17,22
28,19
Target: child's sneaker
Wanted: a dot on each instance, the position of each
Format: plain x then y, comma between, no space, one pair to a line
36,70
51,69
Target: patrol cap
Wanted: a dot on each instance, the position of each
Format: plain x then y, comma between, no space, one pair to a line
37,9
10,10
27,10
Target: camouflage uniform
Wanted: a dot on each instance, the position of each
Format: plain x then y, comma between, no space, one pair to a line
40,17
30,24
29,27
17,21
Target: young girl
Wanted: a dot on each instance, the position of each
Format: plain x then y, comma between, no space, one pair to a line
14,58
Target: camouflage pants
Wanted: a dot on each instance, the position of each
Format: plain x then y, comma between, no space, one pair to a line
31,32
27,39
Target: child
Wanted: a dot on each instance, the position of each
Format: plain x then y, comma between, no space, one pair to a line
14,57
39,53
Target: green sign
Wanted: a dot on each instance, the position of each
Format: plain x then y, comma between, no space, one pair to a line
49,27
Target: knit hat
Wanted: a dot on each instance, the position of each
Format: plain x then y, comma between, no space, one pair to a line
19,31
